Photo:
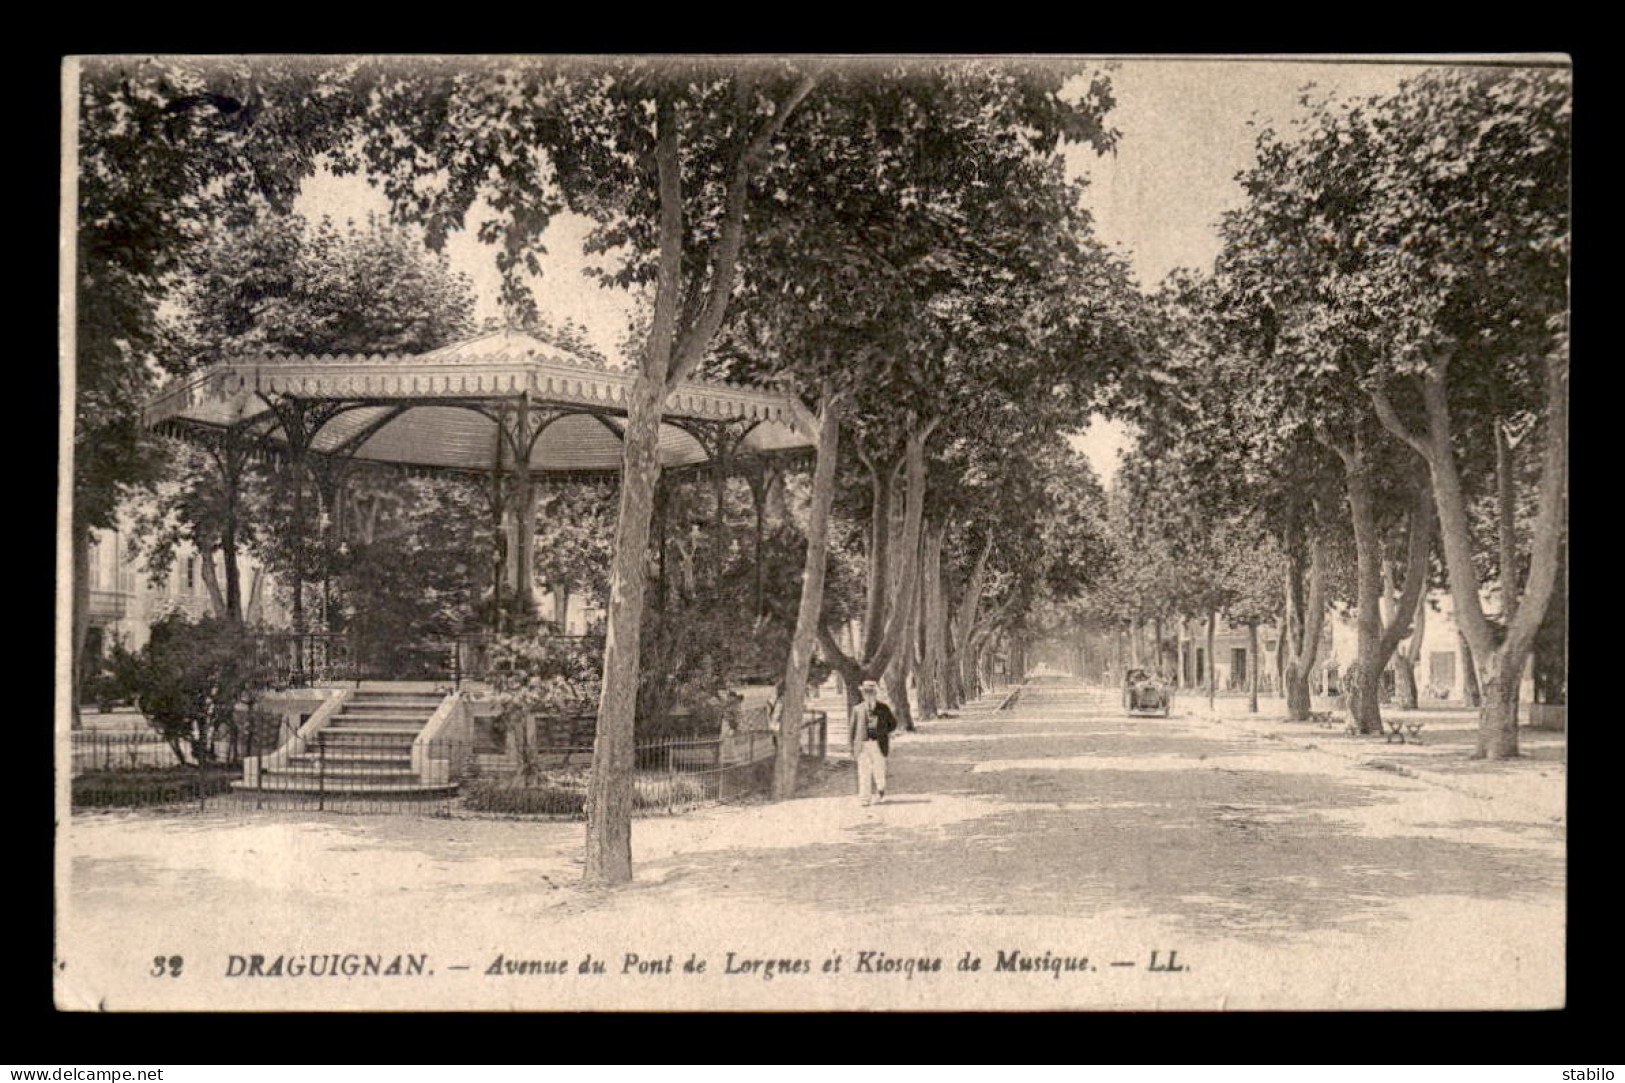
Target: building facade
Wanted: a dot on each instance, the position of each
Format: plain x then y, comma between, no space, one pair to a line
1440,665
125,601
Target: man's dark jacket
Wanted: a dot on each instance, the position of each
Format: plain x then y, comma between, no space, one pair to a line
882,723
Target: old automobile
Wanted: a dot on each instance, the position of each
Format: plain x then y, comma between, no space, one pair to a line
1145,694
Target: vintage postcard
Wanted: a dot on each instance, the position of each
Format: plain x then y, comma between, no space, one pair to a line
808,532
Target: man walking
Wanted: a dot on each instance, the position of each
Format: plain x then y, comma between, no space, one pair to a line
868,731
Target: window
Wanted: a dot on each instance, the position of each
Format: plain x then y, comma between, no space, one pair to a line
1441,673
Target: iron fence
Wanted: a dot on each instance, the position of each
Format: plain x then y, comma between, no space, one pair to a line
130,750
115,750
380,769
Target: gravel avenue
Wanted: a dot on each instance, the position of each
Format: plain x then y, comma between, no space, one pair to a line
1055,855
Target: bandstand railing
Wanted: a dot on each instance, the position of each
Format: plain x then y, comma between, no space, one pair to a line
298,659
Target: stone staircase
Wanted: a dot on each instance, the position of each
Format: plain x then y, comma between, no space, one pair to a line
363,747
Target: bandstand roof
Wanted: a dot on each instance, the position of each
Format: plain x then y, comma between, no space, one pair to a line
443,411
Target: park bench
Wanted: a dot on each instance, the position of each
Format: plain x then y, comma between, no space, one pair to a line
1399,727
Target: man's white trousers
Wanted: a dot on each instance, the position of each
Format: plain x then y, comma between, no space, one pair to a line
871,771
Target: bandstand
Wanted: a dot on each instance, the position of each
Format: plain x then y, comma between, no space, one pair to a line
506,409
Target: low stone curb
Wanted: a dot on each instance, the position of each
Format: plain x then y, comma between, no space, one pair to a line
1419,772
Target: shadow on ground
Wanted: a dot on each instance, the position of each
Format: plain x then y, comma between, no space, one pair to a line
1259,853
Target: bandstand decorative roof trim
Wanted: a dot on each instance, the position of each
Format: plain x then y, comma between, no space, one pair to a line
410,409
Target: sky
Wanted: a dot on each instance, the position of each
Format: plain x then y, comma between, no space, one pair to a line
1184,135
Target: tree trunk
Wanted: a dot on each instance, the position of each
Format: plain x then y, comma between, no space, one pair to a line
1298,699
1404,682
1505,544
932,693
525,540
211,584
969,604
890,623
1365,673
255,610
231,463
953,694
1406,660
758,499
1278,688
880,558
1471,694
1498,718
896,682
234,577
81,618
1212,628
1550,655
902,660
609,786
1499,654
917,634
561,608
812,599
499,532
296,465
1252,667
1306,613
327,486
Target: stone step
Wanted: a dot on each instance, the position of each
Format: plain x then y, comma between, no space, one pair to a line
348,744
332,773
345,718
363,699
426,689
423,709
342,756
331,732
271,786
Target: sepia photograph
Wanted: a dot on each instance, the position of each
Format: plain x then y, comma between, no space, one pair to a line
813,532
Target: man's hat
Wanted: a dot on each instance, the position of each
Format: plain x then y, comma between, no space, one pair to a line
867,685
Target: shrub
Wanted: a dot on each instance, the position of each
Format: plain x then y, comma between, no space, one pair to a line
548,800
667,791
147,786
539,676
566,794
192,677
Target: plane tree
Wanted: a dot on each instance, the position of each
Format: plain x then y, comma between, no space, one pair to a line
1258,427
1416,258
663,156
171,151
1473,218
279,285
916,197
1296,318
